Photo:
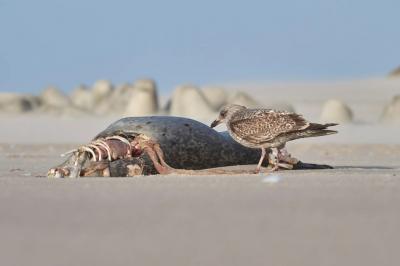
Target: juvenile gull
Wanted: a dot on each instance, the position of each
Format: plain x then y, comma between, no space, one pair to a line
268,129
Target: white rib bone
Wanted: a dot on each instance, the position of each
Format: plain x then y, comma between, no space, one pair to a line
87,149
68,152
124,140
97,149
104,144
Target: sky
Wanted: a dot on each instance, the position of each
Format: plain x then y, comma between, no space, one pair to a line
67,43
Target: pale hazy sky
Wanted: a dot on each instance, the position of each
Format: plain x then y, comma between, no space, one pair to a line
69,42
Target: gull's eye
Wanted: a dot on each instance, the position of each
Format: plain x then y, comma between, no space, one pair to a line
223,113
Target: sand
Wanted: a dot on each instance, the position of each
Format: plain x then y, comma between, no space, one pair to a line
345,216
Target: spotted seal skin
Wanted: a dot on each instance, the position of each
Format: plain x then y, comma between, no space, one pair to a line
186,143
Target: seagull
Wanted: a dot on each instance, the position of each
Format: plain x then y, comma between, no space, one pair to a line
268,129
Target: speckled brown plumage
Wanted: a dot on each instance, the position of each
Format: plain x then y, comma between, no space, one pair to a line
255,127
269,128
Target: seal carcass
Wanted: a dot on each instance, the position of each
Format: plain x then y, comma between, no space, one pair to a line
158,144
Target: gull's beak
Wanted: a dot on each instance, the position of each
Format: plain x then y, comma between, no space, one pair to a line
215,123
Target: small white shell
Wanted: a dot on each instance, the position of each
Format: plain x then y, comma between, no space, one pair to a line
272,179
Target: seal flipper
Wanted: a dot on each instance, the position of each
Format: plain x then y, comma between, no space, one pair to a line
310,166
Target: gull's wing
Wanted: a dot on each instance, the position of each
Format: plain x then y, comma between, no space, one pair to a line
262,125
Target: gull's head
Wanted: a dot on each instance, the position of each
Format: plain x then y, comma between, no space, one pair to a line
226,113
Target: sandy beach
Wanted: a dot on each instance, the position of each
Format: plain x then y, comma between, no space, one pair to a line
344,216
348,215
307,219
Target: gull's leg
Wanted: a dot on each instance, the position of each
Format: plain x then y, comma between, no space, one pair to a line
284,155
281,158
263,153
274,161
